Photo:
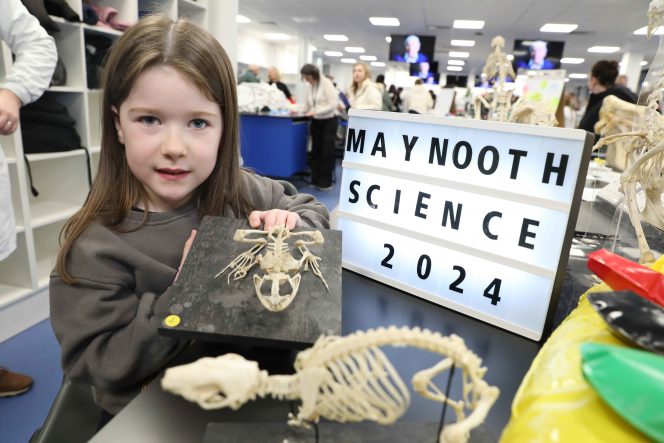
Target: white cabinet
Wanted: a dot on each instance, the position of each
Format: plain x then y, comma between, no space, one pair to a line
61,178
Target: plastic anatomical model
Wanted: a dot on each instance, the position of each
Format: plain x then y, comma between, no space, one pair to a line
345,379
278,265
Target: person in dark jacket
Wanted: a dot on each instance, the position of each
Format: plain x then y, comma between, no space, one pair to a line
601,83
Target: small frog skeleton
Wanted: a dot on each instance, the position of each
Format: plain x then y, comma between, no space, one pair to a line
278,264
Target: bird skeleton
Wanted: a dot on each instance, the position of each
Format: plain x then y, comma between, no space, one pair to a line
279,266
344,379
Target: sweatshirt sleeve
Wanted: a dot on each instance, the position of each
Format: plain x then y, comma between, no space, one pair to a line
107,333
35,52
265,194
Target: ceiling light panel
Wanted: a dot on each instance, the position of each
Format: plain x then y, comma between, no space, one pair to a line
468,24
348,60
468,43
354,49
378,64
604,49
368,58
558,27
644,31
578,76
454,68
572,60
384,21
335,37
456,62
459,54
334,53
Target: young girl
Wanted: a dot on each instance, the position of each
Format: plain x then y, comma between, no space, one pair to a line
169,156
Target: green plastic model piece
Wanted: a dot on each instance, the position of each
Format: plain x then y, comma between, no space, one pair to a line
631,382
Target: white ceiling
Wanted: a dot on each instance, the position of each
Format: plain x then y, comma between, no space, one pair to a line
601,22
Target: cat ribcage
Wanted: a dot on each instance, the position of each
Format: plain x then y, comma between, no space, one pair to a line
362,385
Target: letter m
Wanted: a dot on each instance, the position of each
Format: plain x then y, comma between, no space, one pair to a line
354,141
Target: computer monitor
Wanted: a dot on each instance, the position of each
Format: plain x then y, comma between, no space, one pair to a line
537,54
426,71
412,48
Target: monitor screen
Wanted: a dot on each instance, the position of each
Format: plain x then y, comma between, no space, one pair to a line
427,71
457,80
537,54
412,48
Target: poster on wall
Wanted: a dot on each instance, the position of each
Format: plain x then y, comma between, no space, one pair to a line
476,216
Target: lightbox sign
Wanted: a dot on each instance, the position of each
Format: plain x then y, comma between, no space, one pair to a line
476,216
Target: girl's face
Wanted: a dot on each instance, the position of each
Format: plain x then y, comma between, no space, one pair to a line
171,133
358,74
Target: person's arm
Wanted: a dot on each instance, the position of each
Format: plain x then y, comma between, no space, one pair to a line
35,52
107,332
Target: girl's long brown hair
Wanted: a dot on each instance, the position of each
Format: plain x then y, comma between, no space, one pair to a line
157,40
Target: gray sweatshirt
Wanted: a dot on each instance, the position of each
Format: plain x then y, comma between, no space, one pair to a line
107,323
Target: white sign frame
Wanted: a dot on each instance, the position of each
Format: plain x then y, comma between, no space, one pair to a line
425,184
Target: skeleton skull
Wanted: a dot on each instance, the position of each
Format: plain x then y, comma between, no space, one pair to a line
225,381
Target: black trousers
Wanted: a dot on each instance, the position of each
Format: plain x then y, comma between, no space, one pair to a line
323,133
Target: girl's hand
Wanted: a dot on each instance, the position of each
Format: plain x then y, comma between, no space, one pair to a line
185,252
273,217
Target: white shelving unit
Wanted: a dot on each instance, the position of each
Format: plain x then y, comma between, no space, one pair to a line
61,178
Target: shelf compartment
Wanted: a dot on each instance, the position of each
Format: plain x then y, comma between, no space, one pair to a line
69,42
76,107
46,249
164,7
101,30
127,11
54,155
15,279
62,184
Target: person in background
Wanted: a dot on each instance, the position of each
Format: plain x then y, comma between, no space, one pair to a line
387,99
602,83
621,80
320,104
417,99
363,93
26,81
250,75
412,52
169,157
397,99
569,109
274,77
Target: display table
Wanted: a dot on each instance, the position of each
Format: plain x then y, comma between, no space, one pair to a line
274,145
158,416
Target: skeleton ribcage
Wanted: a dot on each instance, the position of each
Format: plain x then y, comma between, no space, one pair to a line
362,386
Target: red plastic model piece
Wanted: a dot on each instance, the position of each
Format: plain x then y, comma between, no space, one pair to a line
621,274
